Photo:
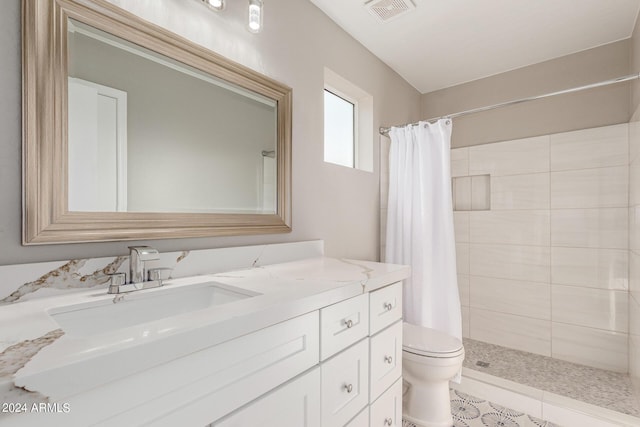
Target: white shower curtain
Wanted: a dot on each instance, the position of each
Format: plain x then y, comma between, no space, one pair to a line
420,224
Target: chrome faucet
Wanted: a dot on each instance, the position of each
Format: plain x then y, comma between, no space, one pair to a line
140,277
138,255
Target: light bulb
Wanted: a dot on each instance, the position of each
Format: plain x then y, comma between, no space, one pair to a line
215,4
255,16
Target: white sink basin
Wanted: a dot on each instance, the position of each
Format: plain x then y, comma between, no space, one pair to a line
139,307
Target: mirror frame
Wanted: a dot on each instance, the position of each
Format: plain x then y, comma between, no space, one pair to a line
46,217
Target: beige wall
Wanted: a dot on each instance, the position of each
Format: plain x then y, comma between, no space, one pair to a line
330,202
597,107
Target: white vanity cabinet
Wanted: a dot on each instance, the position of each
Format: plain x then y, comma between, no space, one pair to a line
295,404
357,382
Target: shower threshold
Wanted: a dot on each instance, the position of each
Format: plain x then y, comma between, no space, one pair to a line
564,393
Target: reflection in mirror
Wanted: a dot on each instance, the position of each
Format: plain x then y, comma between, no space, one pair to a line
149,134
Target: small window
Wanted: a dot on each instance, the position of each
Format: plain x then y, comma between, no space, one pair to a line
339,130
348,123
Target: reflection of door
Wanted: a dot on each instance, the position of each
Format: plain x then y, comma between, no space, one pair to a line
97,147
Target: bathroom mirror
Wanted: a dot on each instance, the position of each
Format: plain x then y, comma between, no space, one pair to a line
132,132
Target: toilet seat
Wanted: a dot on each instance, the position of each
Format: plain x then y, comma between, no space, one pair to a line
428,342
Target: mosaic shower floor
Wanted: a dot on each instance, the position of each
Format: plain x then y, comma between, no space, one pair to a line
470,411
598,387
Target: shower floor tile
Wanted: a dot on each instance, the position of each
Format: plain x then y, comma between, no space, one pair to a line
470,411
598,387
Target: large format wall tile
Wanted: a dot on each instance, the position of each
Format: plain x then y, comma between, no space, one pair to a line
463,288
526,227
460,162
588,267
634,180
634,358
530,191
590,188
462,258
634,141
590,148
465,322
591,347
554,246
461,226
526,263
634,272
520,333
530,299
523,156
594,308
634,315
590,228
634,227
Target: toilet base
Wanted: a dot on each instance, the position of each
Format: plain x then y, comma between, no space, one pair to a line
428,405
417,423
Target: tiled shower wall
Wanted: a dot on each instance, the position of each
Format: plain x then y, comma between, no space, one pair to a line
634,253
545,270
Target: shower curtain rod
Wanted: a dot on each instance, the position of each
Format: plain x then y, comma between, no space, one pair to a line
385,130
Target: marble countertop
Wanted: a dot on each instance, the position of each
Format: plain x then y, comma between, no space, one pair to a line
39,362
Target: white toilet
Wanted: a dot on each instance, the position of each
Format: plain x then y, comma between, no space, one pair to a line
430,359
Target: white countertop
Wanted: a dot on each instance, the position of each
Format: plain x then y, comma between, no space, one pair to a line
56,365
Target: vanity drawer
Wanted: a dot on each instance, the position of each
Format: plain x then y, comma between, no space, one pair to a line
343,324
386,359
345,385
294,404
385,307
387,410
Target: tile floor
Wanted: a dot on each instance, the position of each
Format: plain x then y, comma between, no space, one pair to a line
470,411
598,387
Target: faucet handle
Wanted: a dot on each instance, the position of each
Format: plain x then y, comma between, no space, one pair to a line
115,281
159,274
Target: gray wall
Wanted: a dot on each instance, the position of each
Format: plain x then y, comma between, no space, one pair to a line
586,109
330,202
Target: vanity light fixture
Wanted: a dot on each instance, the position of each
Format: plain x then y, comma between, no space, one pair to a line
255,16
214,4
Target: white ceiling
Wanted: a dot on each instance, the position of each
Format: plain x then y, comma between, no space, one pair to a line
443,43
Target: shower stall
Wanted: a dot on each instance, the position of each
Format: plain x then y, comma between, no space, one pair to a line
548,262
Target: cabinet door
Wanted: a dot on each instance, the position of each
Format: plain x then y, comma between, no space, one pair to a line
386,359
387,410
345,385
361,420
295,404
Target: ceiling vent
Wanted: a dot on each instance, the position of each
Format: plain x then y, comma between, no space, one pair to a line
387,10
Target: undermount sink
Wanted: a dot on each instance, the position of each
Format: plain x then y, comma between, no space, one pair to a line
130,309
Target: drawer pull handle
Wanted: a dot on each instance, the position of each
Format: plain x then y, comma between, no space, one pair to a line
388,306
349,323
348,387
388,422
388,359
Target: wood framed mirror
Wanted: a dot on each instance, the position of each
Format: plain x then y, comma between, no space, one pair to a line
131,132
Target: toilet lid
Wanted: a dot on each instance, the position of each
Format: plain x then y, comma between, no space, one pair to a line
429,342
